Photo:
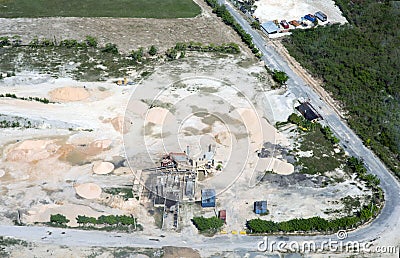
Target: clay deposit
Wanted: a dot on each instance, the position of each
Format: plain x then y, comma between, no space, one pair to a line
88,191
32,150
67,94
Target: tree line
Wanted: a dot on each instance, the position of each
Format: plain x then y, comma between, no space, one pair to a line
207,224
314,223
359,64
227,18
105,220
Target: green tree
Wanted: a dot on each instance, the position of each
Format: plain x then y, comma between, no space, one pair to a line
256,25
58,219
91,41
110,48
153,50
280,77
204,224
137,55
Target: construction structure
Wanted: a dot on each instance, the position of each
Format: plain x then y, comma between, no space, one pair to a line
206,163
308,111
208,198
260,207
222,215
177,160
270,27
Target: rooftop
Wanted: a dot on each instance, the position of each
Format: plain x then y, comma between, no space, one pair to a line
270,27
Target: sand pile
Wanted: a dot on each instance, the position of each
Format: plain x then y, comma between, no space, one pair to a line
88,191
2,172
69,94
102,168
121,124
33,150
159,116
101,144
275,165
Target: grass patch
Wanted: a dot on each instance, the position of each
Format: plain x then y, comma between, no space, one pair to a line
125,193
100,8
84,64
324,158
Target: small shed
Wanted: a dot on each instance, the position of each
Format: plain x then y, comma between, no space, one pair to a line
270,27
222,215
309,113
208,198
260,207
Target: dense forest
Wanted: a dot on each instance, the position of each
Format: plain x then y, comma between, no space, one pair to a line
359,63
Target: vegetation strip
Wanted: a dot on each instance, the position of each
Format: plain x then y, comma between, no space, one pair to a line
359,65
228,19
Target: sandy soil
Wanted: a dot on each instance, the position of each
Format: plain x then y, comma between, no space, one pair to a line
268,10
158,116
32,150
41,213
69,94
102,168
88,191
163,33
121,124
275,165
43,165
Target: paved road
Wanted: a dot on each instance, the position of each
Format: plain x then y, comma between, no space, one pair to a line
354,146
386,223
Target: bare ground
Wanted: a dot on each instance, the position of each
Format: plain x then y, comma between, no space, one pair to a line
127,33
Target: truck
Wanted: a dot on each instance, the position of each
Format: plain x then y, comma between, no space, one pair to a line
321,16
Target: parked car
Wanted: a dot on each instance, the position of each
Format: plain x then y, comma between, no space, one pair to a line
294,23
284,24
310,17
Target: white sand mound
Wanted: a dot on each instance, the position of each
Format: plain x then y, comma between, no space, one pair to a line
121,124
275,165
69,94
102,168
2,173
159,116
32,150
88,191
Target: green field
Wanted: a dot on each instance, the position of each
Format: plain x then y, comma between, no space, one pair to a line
99,8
